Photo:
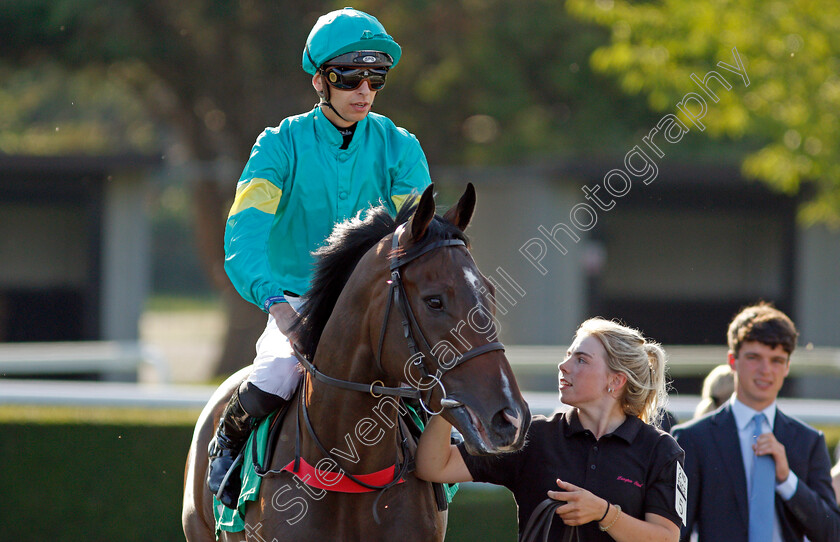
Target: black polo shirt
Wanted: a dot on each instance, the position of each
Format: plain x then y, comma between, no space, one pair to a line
634,467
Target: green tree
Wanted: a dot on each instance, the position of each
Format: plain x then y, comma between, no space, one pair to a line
500,82
791,53
48,109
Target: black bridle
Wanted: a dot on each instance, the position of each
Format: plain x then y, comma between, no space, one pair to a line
396,296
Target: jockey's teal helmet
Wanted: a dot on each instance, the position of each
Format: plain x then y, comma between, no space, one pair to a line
345,31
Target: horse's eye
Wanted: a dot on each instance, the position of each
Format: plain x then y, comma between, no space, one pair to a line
434,303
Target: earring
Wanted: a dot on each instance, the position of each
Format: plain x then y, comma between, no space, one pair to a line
609,390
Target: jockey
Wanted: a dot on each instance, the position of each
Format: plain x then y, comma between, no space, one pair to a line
302,177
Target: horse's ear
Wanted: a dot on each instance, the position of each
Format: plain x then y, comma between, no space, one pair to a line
423,214
461,214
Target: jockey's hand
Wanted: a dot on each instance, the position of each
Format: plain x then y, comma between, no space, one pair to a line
284,316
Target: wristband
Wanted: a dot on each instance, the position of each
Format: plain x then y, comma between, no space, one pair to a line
617,513
272,300
607,511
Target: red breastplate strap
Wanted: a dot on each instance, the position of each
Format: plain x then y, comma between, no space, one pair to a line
336,481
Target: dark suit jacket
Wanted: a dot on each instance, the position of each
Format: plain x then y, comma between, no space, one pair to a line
717,483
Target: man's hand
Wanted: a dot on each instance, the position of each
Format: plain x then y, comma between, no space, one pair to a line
766,444
284,316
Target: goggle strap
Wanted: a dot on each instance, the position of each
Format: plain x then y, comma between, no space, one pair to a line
312,60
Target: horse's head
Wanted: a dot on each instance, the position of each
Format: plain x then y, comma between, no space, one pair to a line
443,337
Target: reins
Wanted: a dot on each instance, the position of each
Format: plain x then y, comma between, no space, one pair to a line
372,388
539,524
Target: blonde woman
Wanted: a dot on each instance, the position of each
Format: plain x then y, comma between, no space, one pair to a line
718,387
604,458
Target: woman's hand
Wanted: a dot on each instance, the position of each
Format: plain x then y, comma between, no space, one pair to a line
581,505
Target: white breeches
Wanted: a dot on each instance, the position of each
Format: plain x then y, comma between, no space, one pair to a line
276,368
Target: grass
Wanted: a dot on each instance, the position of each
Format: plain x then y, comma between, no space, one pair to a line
79,482
482,512
63,415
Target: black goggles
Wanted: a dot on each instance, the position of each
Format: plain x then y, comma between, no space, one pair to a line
346,78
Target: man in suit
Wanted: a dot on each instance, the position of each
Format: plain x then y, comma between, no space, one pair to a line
727,450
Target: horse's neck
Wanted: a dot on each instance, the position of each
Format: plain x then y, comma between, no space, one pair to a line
359,429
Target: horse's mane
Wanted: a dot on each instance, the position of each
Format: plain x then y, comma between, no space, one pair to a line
338,257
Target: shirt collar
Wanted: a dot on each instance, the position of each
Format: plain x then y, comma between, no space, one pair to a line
744,414
627,431
327,130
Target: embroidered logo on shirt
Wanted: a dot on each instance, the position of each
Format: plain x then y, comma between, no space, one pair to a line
629,481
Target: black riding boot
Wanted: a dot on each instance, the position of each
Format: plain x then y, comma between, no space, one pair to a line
233,431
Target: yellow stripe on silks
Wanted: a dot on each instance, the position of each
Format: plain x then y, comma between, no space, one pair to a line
258,194
399,200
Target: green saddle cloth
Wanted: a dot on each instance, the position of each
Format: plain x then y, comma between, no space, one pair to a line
233,521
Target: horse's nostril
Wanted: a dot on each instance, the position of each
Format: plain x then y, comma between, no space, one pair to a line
512,417
506,422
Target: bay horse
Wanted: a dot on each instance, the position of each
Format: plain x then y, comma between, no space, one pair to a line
394,301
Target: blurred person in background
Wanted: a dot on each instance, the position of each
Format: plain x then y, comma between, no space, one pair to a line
757,475
614,470
304,176
835,474
718,387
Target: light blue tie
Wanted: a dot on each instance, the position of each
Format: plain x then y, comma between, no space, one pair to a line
762,491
